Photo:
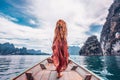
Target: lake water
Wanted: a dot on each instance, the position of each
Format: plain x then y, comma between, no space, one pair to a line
107,67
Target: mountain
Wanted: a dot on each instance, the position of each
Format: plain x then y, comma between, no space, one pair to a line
9,49
35,52
74,50
110,35
91,47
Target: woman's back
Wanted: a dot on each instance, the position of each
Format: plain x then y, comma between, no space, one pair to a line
59,47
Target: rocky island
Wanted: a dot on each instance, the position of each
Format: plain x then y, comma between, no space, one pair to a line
91,47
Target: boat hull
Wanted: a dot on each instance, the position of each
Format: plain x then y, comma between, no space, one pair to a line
45,70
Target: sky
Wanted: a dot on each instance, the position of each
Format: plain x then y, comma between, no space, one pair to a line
31,23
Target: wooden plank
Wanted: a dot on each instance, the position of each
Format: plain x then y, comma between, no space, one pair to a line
34,70
53,75
75,76
66,75
82,72
45,75
50,66
61,78
22,77
71,77
38,75
68,68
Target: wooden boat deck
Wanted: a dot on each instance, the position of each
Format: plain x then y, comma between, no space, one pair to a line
45,70
51,74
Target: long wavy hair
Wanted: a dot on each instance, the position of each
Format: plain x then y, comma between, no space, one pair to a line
60,30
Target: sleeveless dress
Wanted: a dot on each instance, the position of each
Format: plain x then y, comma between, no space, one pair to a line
60,55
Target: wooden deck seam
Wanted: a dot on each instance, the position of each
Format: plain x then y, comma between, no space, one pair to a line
50,74
53,75
42,74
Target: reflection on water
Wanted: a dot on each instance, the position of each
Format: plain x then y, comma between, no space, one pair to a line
108,67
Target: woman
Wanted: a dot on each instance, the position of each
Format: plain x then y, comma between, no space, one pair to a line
60,48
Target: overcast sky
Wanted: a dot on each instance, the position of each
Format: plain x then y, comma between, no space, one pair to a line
31,23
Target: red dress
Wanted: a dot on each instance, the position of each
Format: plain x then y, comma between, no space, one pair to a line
60,55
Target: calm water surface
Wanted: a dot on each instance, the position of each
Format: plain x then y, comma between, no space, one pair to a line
107,67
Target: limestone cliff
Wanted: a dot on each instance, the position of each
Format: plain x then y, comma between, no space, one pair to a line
110,35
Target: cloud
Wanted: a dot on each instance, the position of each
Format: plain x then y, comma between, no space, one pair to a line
8,17
32,22
78,14
81,11
74,12
23,35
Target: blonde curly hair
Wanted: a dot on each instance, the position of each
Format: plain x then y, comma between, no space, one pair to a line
60,30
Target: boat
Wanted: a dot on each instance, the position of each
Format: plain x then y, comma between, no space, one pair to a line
45,70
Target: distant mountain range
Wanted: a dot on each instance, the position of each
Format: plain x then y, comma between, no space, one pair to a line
9,49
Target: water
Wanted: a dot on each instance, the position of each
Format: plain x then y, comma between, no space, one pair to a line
107,67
